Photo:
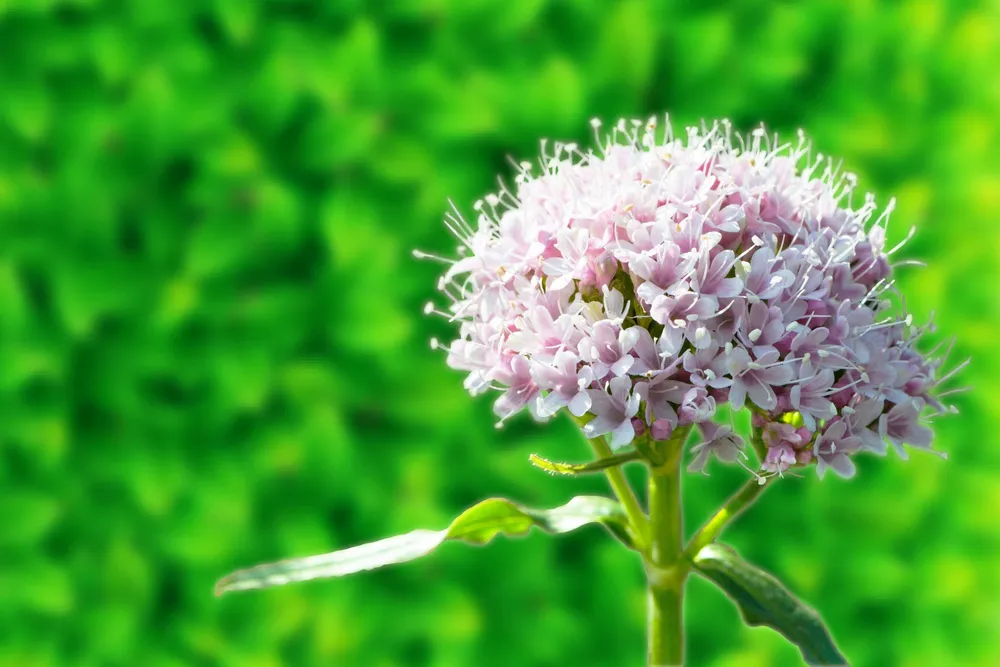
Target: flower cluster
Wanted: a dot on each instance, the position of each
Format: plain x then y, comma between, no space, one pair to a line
658,278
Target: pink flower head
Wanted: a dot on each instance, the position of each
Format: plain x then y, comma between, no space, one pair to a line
649,280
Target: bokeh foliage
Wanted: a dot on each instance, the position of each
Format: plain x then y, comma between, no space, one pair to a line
213,351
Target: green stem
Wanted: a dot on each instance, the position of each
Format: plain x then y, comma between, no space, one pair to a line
664,569
623,491
666,625
733,508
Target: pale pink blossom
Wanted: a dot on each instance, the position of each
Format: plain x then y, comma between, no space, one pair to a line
643,284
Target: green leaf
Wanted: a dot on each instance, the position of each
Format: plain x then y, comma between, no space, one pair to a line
557,468
477,525
763,600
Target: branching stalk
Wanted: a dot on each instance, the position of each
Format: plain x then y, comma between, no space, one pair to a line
622,490
626,496
733,507
660,536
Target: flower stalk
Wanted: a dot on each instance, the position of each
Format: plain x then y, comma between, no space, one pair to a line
626,496
732,508
638,521
660,534
665,571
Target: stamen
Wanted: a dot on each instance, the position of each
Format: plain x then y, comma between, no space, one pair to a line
420,254
953,372
909,235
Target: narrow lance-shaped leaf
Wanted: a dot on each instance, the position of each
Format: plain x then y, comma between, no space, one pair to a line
763,600
477,525
558,468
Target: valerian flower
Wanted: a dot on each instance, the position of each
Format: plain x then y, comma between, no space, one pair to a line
643,284
833,449
718,440
615,407
645,288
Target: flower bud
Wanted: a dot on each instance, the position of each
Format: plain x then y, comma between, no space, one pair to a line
661,429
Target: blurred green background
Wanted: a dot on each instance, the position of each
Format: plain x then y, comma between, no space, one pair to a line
212,351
